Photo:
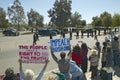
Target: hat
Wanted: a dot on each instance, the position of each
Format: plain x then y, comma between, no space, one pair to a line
115,38
93,51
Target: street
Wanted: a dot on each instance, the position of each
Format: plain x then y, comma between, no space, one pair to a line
9,51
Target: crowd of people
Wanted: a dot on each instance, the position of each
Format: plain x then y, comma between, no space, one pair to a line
75,65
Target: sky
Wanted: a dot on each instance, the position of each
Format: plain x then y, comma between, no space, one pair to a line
87,8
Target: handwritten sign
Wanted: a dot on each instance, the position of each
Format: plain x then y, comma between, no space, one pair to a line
33,54
60,44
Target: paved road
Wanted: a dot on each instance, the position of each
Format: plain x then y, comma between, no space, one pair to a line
9,52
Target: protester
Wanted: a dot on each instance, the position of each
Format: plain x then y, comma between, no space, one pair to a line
29,74
115,49
76,56
63,64
76,72
9,75
104,53
94,63
98,47
109,56
106,73
84,52
107,41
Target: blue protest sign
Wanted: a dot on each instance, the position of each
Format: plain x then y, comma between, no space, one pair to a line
58,45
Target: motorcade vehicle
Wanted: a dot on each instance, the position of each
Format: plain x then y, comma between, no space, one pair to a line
46,32
88,30
11,32
56,30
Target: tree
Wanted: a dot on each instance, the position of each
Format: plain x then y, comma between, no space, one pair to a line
116,20
3,21
60,14
82,23
16,13
35,19
106,19
96,22
75,19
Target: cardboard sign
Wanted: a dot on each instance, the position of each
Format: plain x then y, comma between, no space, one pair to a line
33,54
60,44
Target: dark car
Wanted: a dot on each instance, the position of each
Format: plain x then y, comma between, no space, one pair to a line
88,30
11,32
56,30
46,32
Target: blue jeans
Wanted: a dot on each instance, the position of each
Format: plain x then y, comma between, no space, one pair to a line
81,77
67,75
76,78
109,76
116,57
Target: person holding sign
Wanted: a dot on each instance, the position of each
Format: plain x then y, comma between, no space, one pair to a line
29,74
63,64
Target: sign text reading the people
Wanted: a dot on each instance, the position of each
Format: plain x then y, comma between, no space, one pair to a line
33,54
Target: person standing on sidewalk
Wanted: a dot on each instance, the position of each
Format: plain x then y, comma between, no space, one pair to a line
104,53
109,56
63,64
77,34
76,72
84,52
98,48
93,58
34,38
115,49
76,55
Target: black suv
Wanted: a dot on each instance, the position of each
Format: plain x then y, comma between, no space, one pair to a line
46,32
11,32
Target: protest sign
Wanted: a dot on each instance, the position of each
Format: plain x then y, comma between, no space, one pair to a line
58,45
33,54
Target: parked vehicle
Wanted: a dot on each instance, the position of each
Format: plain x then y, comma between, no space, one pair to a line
88,30
11,32
46,32
56,30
